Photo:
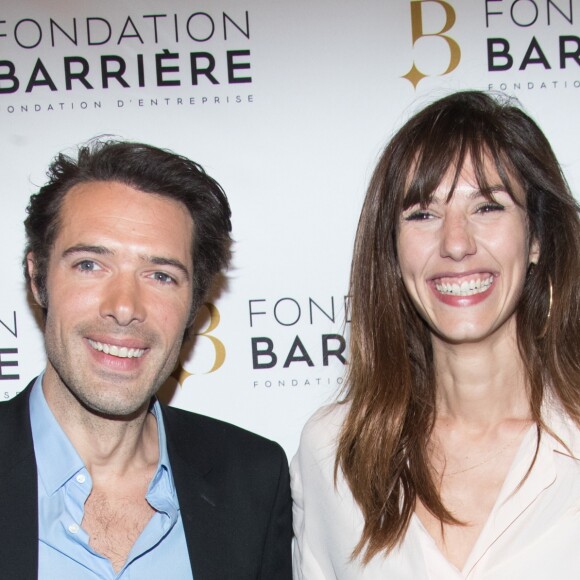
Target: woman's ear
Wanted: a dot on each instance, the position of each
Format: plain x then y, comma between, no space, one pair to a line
534,255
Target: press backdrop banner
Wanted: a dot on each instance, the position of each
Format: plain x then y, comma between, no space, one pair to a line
287,104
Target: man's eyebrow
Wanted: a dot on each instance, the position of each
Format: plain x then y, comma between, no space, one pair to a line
159,261
85,248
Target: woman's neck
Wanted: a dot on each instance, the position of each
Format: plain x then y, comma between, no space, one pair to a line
481,383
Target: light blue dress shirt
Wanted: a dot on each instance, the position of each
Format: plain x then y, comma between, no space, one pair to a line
64,484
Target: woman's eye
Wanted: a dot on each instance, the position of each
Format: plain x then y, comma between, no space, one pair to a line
418,215
490,206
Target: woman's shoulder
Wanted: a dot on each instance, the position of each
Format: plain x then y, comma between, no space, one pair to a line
326,421
562,425
321,432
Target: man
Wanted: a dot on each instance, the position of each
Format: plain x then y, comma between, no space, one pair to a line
97,478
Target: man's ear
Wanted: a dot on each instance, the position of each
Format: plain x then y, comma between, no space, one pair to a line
534,252
31,267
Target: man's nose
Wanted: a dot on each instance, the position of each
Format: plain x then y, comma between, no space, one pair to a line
122,300
457,239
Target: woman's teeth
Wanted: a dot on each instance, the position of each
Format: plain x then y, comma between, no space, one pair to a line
466,288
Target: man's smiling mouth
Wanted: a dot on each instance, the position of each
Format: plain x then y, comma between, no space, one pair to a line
119,351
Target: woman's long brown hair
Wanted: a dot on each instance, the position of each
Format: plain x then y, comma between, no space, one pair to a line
382,450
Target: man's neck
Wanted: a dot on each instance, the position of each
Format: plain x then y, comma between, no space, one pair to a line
108,446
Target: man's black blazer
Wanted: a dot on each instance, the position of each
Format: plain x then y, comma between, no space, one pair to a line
233,490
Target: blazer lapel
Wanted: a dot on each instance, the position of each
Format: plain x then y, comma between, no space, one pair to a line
18,492
204,520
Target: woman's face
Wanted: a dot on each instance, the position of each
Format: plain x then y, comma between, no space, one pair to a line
464,261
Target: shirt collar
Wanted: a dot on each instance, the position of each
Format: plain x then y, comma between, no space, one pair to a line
56,458
163,465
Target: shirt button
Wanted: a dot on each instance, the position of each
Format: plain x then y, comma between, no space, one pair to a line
73,528
81,478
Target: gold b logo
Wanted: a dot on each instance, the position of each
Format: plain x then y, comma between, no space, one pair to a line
414,76
202,345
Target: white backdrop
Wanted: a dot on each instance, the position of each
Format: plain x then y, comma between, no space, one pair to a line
291,131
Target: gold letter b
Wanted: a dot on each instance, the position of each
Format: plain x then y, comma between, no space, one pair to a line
415,75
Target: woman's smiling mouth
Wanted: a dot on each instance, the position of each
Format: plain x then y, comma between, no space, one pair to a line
466,288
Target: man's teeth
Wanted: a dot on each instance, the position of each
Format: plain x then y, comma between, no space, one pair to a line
120,351
466,288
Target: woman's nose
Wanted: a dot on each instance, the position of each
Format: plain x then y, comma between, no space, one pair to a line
457,239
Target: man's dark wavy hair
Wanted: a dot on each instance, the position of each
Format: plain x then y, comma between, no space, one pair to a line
147,169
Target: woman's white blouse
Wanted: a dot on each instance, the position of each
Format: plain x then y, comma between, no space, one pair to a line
532,533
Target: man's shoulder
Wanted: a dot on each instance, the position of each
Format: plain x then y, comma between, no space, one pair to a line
191,430
15,408
234,494
16,447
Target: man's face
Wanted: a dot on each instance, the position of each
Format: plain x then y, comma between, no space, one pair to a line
119,288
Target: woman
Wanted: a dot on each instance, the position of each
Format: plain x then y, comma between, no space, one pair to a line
455,452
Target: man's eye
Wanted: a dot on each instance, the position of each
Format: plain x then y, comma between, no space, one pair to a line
86,266
163,278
